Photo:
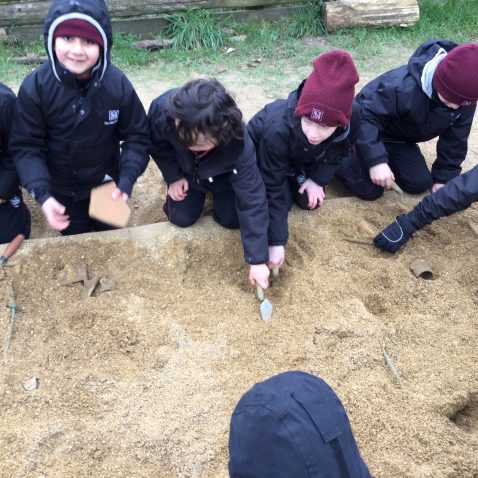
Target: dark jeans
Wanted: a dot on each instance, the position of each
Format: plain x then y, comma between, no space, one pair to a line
405,160
80,220
186,212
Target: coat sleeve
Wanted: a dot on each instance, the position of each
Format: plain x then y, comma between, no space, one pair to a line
134,137
163,152
28,144
457,195
378,105
251,204
8,173
273,165
452,147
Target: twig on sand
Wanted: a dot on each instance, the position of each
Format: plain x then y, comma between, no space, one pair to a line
391,366
357,240
11,324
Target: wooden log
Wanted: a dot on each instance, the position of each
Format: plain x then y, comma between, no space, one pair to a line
364,13
33,12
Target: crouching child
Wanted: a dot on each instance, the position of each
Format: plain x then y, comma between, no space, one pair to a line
78,121
200,144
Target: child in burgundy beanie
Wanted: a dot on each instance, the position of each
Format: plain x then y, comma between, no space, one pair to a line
300,142
433,96
78,121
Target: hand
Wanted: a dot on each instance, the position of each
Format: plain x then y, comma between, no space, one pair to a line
436,187
55,214
116,193
276,256
382,175
315,193
259,275
395,235
179,189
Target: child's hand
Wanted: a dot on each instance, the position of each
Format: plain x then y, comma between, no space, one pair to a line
178,190
315,193
436,187
116,193
55,214
259,275
276,256
382,175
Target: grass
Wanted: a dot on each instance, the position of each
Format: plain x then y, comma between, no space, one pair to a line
272,54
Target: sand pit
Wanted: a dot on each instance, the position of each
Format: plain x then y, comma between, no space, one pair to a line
142,380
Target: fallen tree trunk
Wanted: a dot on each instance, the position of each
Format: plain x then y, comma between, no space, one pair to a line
363,13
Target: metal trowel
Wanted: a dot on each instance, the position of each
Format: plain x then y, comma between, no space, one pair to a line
266,306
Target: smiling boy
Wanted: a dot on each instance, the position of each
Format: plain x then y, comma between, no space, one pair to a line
78,121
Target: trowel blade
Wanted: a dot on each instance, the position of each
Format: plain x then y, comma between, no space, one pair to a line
266,310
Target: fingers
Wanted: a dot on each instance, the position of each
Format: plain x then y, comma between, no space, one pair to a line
302,189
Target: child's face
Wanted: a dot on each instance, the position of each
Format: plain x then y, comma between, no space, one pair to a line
77,55
316,133
452,106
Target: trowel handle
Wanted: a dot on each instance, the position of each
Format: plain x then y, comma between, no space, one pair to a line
275,272
260,292
395,187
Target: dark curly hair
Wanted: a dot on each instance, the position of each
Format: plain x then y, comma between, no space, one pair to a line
204,106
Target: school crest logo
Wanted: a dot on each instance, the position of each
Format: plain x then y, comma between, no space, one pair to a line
15,201
113,117
316,115
466,103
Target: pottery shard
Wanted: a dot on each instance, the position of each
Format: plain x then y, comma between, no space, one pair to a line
89,287
31,384
422,269
107,284
70,274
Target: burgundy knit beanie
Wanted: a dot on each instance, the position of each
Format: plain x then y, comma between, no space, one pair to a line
329,91
456,76
79,28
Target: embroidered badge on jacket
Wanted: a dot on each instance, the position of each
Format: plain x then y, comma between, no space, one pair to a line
113,116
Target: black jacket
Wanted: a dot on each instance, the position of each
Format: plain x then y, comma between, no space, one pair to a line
233,166
8,175
457,195
395,107
283,148
66,139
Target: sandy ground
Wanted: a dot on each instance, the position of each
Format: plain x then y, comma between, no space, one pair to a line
142,380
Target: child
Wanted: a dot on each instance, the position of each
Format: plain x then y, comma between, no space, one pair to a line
293,425
433,96
456,195
301,141
14,214
78,121
200,144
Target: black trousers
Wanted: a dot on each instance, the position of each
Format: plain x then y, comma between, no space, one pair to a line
405,160
15,219
80,220
295,182
186,212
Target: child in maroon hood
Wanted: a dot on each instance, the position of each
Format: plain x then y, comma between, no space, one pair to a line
433,96
300,142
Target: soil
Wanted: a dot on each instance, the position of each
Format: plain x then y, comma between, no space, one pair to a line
142,380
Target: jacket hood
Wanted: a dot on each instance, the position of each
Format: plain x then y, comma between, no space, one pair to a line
92,11
293,425
431,51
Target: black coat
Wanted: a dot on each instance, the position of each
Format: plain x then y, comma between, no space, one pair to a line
457,195
8,175
231,167
283,148
65,139
395,107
